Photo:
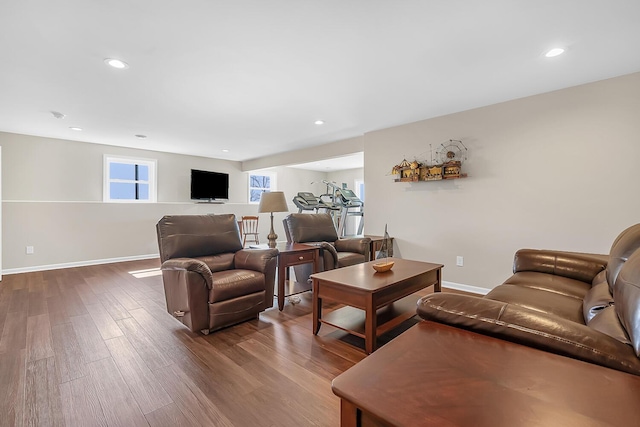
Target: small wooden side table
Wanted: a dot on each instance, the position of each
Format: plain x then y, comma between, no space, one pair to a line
294,254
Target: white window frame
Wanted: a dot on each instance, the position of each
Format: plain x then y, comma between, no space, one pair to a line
272,180
153,184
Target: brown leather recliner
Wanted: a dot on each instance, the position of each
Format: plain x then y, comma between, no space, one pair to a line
319,229
209,281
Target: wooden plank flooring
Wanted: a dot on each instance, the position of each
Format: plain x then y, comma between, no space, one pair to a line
95,346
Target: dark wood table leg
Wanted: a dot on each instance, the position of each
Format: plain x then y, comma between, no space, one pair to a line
348,414
370,325
438,285
317,308
282,272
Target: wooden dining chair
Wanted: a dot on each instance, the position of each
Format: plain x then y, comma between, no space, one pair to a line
249,229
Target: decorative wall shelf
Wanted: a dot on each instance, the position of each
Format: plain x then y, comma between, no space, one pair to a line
450,154
449,170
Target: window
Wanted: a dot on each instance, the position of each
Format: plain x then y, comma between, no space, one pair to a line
129,180
259,183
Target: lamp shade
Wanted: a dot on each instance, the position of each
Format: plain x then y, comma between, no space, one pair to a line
273,201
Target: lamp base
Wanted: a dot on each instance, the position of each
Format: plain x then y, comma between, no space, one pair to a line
272,237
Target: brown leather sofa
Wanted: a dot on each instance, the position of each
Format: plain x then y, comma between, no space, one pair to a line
209,281
578,305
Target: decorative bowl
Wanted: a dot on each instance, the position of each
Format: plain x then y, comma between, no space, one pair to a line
381,267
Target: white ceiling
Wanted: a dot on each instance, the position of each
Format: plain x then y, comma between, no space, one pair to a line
252,76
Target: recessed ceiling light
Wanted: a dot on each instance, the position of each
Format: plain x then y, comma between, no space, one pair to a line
75,128
140,136
57,114
319,122
554,52
224,150
116,63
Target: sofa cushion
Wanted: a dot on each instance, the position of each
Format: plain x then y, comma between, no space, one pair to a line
349,258
551,283
566,307
626,293
235,283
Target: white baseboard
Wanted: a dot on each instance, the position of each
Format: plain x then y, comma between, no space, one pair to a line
465,288
77,264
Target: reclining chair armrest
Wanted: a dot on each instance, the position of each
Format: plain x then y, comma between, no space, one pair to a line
358,245
528,327
187,284
264,261
573,265
254,259
329,256
189,264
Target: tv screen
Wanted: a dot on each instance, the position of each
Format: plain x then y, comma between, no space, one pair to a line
207,185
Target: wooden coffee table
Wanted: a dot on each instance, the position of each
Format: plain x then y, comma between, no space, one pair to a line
376,302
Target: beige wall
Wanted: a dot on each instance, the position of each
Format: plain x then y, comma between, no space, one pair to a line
52,200
558,170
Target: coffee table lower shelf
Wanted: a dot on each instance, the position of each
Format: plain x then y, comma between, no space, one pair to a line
352,320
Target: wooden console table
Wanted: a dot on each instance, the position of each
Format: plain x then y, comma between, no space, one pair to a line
435,374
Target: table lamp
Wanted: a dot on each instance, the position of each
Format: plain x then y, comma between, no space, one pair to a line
271,202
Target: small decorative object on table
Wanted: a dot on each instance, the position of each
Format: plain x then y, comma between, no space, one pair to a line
381,267
385,252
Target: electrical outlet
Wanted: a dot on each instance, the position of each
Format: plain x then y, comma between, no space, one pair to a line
460,261
29,250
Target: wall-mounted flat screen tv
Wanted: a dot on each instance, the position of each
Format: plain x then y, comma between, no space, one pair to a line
210,186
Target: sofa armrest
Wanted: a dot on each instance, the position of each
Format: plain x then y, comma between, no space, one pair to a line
529,327
573,265
189,264
358,245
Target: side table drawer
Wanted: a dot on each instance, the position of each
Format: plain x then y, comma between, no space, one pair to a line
298,257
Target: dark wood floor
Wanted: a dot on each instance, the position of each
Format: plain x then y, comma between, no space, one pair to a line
95,346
